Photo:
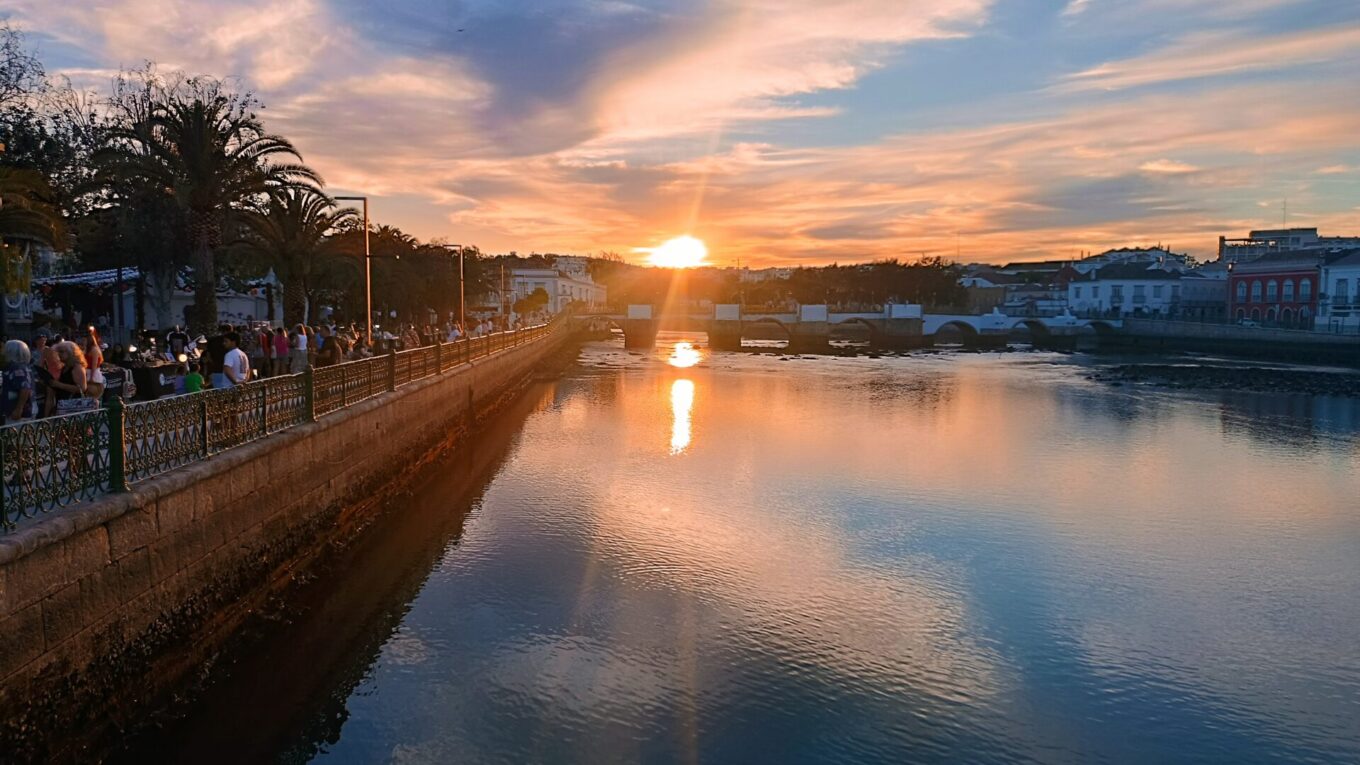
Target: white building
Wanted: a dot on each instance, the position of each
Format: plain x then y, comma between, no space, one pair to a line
567,282
1266,241
1159,256
1339,294
1125,289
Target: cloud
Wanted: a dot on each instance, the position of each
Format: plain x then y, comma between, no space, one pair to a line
1075,7
1167,167
1334,170
626,124
1215,54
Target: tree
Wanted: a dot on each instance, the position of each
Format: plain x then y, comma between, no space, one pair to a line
21,74
294,232
534,301
204,143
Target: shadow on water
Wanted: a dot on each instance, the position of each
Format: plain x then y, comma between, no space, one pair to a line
279,694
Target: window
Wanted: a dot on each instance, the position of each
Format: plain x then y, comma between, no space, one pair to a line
1139,293
1157,290
1343,292
1305,290
1116,293
1095,292
1288,294
1272,291
1255,292
1175,293
1241,292
1076,293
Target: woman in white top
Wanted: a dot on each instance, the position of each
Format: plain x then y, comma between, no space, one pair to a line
298,355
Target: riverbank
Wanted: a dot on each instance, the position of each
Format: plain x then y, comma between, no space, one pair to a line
1236,378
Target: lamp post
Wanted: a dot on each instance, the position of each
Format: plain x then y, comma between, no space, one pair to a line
462,291
368,272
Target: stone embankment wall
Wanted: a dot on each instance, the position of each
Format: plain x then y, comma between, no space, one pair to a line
1258,342
106,606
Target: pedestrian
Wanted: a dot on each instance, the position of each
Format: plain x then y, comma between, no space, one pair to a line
298,353
281,348
19,393
67,390
91,347
235,363
215,352
328,354
193,382
264,349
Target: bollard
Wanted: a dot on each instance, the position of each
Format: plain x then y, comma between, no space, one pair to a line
117,442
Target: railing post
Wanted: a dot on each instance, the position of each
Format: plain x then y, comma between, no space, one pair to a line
438,357
203,424
392,370
117,442
308,395
264,408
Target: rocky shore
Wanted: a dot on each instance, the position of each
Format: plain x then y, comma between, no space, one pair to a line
1255,379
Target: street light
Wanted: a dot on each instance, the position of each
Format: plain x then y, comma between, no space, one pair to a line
462,293
368,272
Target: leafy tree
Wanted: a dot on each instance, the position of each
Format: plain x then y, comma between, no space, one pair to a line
205,144
534,301
293,231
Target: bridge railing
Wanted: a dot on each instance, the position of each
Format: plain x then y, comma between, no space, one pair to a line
59,461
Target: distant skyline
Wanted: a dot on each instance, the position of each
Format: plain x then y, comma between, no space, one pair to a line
783,132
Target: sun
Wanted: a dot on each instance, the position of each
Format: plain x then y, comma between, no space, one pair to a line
680,252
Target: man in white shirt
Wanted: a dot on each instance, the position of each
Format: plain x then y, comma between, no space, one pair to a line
235,364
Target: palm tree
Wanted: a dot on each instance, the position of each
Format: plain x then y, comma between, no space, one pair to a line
206,146
294,230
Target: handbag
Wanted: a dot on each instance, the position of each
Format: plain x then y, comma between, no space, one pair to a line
73,405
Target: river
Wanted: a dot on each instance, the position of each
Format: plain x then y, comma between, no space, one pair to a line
686,557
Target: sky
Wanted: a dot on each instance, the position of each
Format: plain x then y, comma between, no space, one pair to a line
783,132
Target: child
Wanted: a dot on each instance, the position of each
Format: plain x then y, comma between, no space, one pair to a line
193,382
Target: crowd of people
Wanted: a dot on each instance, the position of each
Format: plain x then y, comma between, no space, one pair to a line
56,375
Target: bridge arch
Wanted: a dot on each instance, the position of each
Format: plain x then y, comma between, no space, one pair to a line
765,321
965,329
1038,331
858,321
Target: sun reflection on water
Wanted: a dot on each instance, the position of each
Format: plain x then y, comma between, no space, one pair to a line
684,355
682,403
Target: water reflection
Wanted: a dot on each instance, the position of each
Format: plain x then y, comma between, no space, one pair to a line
964,558
684,355
682,404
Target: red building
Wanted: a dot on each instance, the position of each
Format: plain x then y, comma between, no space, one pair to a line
1277,290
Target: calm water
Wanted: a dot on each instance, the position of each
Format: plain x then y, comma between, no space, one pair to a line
692,558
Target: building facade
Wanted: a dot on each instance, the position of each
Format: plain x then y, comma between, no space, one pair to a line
567,282
1279,289
1339,293
1273,240
1140,289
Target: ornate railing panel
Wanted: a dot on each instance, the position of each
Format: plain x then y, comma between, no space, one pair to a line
53,462
163,435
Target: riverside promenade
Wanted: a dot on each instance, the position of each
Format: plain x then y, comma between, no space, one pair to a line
138,537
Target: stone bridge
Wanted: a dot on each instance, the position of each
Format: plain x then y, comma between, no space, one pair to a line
895,326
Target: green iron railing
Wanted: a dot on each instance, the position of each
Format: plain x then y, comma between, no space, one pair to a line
58,461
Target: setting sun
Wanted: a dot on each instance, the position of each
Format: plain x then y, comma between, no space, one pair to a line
680,252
